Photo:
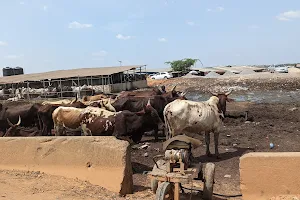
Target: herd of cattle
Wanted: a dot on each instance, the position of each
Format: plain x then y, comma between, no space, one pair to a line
126,116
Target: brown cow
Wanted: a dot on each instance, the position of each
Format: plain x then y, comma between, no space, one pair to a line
16,130
102,103
125,124
94,98
45,115
68,118
28,113
145,93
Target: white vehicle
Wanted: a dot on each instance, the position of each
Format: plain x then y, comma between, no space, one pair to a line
278,68
162,75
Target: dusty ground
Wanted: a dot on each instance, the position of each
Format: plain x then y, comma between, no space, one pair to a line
274,122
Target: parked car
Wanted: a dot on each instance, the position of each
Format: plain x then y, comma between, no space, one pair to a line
162,75
193,72
278,68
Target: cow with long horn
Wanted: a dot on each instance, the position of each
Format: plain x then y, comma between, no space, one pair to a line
223,98
16,130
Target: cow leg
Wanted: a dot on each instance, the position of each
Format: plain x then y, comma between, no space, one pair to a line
216,139
156,134
207,142
58,130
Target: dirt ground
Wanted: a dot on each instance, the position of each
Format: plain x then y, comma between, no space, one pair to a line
272,122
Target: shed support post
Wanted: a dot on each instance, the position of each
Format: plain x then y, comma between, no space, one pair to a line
78,87
61,88
102,83
28,95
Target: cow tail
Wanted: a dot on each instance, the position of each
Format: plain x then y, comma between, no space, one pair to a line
167,127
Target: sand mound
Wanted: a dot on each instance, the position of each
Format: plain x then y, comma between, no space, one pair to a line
228,73
212,75
191,76
247,71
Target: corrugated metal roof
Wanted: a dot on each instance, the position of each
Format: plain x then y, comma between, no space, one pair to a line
82,72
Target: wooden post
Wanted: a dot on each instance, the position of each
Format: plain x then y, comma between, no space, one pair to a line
176,191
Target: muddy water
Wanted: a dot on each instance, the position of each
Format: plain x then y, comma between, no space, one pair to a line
256,97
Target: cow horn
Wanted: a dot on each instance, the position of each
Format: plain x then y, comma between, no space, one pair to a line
19,122
148,103
214,94
9,123
173,89
74,99
228,93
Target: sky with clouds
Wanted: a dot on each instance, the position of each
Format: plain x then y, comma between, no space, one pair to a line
49,35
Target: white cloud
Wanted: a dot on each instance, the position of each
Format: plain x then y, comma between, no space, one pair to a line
220,8
100,53
14,56
45,8
123,37
190,23
253,26
77,25
289,15
162,39
3,43
22,2
217,9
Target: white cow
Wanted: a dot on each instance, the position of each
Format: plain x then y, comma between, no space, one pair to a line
184,116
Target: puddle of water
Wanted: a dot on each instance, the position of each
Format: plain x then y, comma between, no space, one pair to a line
257,97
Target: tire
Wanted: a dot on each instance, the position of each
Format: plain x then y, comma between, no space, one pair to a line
209,174
165,77
165,191
154,185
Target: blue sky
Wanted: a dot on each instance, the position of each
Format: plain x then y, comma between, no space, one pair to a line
48,35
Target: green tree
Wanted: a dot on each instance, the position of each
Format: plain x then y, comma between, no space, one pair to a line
182,65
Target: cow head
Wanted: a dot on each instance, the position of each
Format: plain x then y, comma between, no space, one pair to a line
14,128
108,106
223,98
157,91
163,89
173,91
153,115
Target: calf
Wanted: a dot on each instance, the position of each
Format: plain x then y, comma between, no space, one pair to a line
184,116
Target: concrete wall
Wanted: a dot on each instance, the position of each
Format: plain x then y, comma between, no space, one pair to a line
103,161
118,87
266,175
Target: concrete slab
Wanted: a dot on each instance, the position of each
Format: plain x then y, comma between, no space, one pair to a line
265,175
103,161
